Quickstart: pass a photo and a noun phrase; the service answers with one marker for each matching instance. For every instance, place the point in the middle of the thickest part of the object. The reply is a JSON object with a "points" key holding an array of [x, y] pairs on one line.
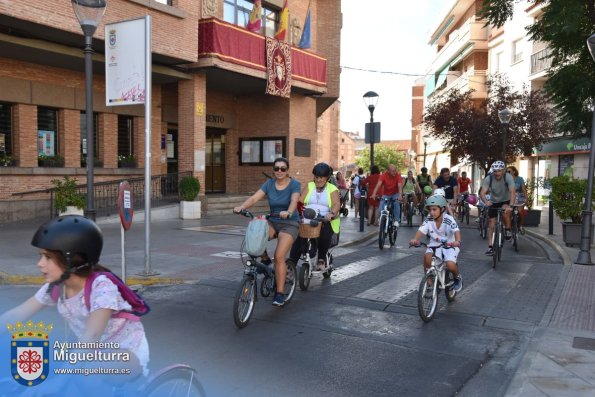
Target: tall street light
{"points": [[504, 115], [584, 255], [371, 99], [89, 14], [426, 140]]}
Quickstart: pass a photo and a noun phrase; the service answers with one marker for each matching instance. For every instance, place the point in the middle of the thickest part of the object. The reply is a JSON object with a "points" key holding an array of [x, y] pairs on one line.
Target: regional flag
{"points": [[305, 40], [282, 30], [255, 17]]}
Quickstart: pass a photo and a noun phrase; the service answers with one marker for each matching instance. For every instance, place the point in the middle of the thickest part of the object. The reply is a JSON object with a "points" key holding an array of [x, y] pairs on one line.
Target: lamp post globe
{"points": [[371, 99], [426, 140], [89, 14], [504, 115]]}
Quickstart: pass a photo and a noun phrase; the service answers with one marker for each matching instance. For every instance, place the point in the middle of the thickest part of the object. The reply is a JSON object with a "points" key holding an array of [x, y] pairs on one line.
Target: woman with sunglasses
{"points": [[283, 193]]}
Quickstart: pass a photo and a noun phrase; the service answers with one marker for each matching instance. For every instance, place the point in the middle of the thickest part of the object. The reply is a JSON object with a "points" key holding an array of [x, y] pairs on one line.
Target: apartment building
{"points": [[460, 40], [211, 115]]}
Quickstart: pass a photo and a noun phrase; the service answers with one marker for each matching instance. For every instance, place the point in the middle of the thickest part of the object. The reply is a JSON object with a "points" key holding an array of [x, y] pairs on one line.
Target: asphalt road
{"points": [[358, 333]]}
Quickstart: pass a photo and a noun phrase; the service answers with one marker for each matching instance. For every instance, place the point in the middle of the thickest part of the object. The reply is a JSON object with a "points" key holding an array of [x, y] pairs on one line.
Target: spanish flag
{"points": [[283, 17], [255, 17]]}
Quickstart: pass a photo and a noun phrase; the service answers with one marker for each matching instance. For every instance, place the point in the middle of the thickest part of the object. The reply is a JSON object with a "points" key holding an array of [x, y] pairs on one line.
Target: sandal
{"points": [[321, 265]]}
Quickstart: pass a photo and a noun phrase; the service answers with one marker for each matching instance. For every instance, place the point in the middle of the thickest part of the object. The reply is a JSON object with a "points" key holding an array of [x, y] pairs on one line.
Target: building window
{"points": [[47, 132], [125, 135], [5, 129], [517, 51], [498, 62], [261, 151], [166, 2], [84, 135], [238, 13]]}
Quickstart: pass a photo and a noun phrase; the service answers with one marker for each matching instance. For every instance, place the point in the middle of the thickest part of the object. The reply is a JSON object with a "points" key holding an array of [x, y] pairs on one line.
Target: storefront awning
{"points": [[564, 146]]}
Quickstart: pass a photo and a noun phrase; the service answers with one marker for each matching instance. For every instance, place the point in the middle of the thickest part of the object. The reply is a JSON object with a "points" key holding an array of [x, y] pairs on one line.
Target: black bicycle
{"points": [[246, 295], [464, 209], [498, 240], [409, 209], [515, 225], [483, 221], [387, 223]]}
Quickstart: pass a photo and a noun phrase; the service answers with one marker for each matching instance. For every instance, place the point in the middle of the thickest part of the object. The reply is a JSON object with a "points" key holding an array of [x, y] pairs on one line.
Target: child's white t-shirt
{"points": [[436, 235], [104, 295]]}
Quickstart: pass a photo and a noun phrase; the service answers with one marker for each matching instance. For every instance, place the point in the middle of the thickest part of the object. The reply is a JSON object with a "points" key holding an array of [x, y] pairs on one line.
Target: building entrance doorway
{"points": [[215, 161]]}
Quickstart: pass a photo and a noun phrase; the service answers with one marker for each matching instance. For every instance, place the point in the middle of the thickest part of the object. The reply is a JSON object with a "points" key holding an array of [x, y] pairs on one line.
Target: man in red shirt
{"points": [[464, 183], [393, 183]]}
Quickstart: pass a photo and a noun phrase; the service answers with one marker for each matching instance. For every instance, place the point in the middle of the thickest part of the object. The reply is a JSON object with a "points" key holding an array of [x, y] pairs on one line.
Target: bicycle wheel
{"points": [[448, 289], [177, 381], [515, 232], [427, 297], [304, 276], [382, 231], [243, 304], [500, 241], [392, 234], [467, 210], [329, 271], [410, 214], [483, 231], [290, 280], [495, 246]]}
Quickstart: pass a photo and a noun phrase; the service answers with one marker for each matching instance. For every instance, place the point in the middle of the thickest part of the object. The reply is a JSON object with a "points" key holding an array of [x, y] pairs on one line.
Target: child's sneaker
{"points": [[279, 300], [457, 286]]}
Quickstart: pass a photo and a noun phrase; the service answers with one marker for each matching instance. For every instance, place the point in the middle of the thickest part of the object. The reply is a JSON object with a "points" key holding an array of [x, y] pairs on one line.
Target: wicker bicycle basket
{"points": [[309, 231]]}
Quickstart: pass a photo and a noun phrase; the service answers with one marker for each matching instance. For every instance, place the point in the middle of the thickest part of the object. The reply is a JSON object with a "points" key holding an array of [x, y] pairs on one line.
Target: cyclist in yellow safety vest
{"points": [[323, 197]]}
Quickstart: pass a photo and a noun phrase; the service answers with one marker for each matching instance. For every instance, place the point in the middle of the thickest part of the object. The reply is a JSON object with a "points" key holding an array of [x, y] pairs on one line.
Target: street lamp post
{"points": [[584, 255], [371, 99], [89, 14], [504, 115], [425, 139]]}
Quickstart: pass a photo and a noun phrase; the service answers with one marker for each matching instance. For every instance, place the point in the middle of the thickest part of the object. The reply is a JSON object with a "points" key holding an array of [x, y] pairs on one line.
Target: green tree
{"points": [[383, 156], [471, 129], [564, 26]]}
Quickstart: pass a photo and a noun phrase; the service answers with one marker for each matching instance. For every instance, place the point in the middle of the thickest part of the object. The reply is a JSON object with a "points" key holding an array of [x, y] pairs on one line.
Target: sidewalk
{"points": [[560, 359]]}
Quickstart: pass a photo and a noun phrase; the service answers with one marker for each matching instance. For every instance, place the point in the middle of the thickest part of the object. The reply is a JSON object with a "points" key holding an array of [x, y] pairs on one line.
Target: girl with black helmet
{"points": [[69, 249], [440, 228], [322, 196]]}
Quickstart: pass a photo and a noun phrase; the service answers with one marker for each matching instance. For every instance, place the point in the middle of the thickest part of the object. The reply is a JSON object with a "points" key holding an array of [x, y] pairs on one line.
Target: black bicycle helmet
{"points": [[322, 169], [71, 235]]}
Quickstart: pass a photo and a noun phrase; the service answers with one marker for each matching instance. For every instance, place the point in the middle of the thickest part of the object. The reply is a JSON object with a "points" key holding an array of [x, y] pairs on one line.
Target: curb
{"points": [[561, 251]]}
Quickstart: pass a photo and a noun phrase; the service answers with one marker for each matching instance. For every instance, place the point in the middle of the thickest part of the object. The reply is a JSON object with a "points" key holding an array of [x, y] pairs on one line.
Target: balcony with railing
{"points": [[235, 49], [541, 61]]}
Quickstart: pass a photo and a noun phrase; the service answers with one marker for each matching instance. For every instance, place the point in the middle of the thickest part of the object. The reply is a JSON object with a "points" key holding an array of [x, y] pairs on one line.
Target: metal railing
{"points": [[541, 61], [164, 190]]}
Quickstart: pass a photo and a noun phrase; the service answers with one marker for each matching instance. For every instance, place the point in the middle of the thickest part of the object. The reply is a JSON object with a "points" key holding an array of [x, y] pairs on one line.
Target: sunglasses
{"points": [[282, 169]]}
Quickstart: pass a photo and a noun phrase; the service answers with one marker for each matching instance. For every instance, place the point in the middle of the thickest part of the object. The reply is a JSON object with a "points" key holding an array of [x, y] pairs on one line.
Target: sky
{"points": [[388, 36]]}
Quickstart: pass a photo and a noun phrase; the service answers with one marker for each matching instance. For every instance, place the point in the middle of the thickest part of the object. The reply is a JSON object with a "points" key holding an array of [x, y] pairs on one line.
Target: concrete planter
{"points": [[533, 218], [190, 209], [571, 233]]}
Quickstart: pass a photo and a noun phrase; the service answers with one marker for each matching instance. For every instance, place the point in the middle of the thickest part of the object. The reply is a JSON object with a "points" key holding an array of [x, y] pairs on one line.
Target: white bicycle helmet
{"points": [[439, 192], [498, 165], [439, 201]]}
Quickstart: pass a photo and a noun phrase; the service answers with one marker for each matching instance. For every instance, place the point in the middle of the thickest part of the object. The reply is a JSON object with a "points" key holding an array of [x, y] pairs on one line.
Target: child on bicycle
{"points": [[69, 249], [440, 228]]}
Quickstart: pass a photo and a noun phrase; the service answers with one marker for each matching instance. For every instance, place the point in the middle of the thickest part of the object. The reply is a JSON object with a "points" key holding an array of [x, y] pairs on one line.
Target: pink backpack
{"points": [[139, 306]]}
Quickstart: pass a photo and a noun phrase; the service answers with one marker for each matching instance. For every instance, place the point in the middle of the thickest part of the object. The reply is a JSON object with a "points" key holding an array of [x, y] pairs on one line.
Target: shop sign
{"points": [[563, 146], [220, 120]]}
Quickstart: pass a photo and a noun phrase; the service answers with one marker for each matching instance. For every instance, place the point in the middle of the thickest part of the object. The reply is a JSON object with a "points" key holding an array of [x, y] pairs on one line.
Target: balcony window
{"points": [[125, 136], [517, 51], [238, 13]]}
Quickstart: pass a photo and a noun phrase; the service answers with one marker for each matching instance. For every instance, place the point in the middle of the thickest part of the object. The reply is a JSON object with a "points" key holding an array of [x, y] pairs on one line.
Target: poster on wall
{"points": [[46, 143], [271, 150], [125, 63], [250, 151], [2, 143]]}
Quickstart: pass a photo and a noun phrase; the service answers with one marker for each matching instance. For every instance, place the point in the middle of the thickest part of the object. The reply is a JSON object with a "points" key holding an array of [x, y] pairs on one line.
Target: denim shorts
{"points": [[289, 227]]}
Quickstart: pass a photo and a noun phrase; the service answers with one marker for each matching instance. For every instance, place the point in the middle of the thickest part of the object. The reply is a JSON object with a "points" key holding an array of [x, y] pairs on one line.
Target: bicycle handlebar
{"points": [[444, 244], [249, 214]]}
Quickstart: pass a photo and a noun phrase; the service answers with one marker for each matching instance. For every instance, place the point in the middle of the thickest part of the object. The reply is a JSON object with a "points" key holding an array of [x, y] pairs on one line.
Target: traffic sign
{"points": [[125, 204]]}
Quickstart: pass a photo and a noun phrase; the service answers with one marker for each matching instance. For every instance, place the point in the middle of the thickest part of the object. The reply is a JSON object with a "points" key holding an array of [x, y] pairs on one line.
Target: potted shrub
{"points": [[189, 189], [126, 161], [568, 197], [533, 216], [67, 199], [6, 160]]}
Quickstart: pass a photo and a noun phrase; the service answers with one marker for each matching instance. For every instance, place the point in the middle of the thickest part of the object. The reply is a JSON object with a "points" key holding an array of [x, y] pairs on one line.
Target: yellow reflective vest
{"points": [[335, 223]]}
